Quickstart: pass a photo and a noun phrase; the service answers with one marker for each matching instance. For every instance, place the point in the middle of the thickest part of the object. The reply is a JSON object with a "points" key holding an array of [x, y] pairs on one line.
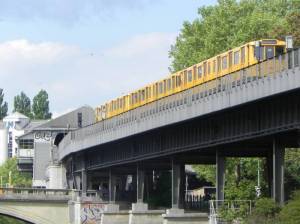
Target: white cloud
{"points": [[74, 77], [65, 11]]}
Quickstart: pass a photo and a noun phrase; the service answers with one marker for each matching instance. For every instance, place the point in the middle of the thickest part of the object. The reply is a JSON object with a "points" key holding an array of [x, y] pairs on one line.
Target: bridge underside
{"points": [[248, 130], [256, 129]]}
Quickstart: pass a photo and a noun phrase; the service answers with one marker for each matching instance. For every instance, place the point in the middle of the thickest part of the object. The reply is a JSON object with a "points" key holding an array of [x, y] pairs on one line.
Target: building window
{"points": [[26, 143], [79, 120]]}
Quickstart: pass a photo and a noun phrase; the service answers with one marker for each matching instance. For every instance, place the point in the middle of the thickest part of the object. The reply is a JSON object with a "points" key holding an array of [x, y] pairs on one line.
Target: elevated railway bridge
{"points": [[252, 112]]}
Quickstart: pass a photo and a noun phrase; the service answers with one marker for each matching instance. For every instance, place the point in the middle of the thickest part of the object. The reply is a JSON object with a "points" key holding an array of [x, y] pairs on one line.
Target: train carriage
{"points": [[227, 63]]}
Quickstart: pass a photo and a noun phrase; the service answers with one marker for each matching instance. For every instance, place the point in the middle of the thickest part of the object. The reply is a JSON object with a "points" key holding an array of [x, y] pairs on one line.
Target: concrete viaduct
{"points": [[254, 112]]}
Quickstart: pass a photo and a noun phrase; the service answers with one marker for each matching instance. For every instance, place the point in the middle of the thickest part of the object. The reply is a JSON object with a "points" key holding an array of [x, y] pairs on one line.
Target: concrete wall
{"points": [[37, 212]]}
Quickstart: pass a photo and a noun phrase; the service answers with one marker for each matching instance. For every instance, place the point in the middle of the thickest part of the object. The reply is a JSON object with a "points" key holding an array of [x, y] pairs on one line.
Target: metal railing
{"points": [[217, 209], [227, 83]]}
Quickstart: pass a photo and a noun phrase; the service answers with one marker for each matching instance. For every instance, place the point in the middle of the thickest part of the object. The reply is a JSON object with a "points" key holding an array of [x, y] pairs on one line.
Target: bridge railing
{"points": [[127, 120], [37, 194]]}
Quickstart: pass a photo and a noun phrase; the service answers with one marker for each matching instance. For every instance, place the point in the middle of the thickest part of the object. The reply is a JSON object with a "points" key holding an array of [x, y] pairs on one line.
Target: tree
{"points": [[3, 105], [22, 104], [18, 179], [231, 23], [228, 24], [40, 106]]}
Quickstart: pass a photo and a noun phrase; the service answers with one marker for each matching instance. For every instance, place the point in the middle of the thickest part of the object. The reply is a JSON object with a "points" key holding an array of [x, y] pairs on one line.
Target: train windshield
{"points": [[269, 52], [279, 50]]}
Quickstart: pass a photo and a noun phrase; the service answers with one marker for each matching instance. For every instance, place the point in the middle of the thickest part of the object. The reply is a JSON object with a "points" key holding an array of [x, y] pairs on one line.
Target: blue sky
{"points": [[87, 52]]}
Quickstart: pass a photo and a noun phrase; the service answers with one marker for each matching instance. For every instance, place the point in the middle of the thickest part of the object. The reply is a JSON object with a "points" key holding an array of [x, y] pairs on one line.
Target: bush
{"points": [[266, 211], [290, 214]]}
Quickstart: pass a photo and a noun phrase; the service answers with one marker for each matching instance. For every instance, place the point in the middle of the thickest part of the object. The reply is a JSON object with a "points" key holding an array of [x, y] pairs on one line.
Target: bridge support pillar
{"points": [[84, 182], [220, 176], [140, 185], [278, 172], [112, 187], [176, 189]]}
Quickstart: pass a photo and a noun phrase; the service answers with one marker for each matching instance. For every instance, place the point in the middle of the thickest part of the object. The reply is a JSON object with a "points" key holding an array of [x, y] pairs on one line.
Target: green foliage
{"points": [[40, 106], [241, 178], [3, 105], [229, 213], [9, 220], [265, 211], [161, 197], [290, 214], [292, 170], [231, 23], [18, 179], [22, 104], [206, 172]]}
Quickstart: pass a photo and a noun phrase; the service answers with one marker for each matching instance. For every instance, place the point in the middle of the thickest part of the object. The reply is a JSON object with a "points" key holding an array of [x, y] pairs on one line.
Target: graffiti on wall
{"points": [[42, 136], [91, 213]]}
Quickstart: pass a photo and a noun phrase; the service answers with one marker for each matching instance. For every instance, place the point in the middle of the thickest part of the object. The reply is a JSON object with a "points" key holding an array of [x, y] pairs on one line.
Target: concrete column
{"points": [[278, 173], [84, 182], [112, 187], [220, 176], [182, 186], [175, 185], [140, 185], [270, 172]]}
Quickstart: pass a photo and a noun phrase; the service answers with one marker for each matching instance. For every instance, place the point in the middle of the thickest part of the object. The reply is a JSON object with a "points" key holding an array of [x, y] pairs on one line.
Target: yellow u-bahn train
{"points": [[207, 70]]}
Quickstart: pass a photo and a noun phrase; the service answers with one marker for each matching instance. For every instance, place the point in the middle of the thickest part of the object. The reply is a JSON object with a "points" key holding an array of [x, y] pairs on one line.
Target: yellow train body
{"points": [[205, 71]]}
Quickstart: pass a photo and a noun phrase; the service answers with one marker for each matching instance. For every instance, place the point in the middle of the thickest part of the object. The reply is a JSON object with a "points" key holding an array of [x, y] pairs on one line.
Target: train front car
{"points": [[267, 49]]}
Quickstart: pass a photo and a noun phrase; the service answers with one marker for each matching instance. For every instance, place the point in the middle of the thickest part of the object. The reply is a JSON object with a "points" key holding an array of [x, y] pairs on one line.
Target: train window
{"points": [[208, 68], [148, 92], [230, 59], [165, 86], [236, 57], [156, 89], [178, 81], [204, 68], [185, 77], [214, 66], [160, 87], [219, 63], [173, 81], [243, 55], [269, 52], [224, 62], [261, 53], [190, 76], [169, 84], [199, 72], [195, 72], [142, 95]]}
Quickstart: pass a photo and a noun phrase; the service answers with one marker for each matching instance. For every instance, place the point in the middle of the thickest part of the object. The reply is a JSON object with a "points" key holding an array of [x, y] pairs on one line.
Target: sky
{"points": [[87, 52]]}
